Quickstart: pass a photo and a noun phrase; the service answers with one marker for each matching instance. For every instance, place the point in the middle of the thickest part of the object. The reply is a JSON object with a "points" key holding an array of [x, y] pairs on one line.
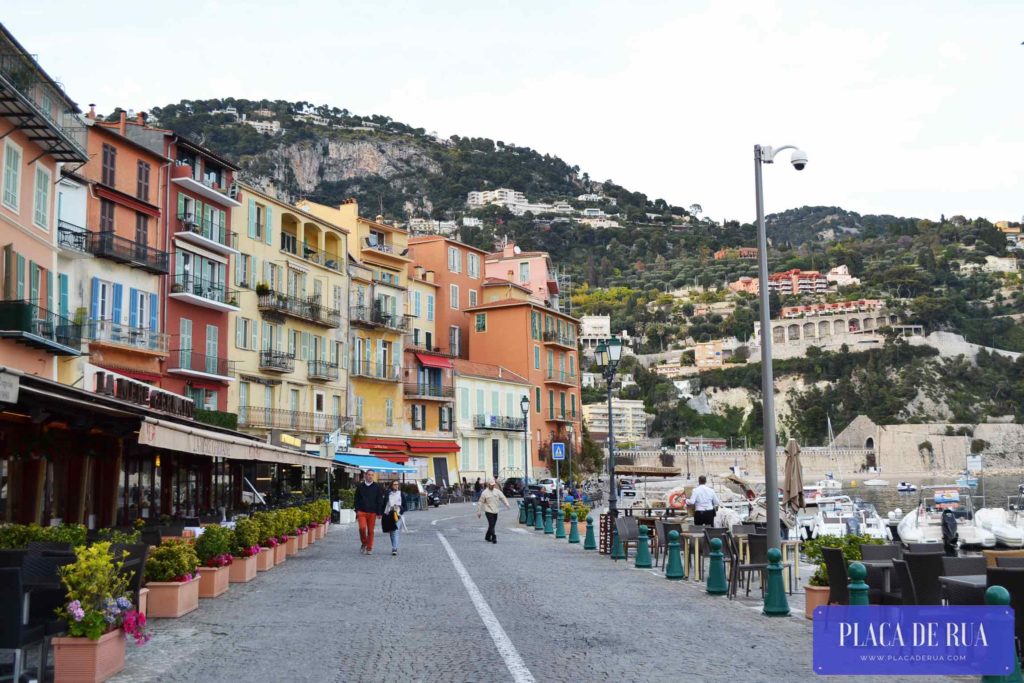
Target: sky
{"points": [[908, 108]]}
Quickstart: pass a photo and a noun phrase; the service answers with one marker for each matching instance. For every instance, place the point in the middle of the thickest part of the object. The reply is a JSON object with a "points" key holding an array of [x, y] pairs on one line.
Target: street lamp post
{"points": [[766, 155], [524, 405], [609, 353], [569, 429]]}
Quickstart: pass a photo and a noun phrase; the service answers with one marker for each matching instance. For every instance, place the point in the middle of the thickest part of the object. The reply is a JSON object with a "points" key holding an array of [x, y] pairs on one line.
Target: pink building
{"points": [[747, 285], [530, 269]]}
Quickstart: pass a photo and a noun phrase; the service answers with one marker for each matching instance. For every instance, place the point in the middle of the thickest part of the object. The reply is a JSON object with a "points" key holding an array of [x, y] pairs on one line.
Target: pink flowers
{"points": [[222, 560], [185, 578], [134, 624], [250, 551], [75, 610], [272, 542]]}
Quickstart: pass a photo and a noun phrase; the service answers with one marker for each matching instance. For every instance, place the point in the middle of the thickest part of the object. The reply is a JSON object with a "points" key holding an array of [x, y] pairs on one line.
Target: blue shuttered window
{"points": [[116, 307], [154, 320], [266, 228], [133, 309], [49, 290], [62, 283], [252, 219], [94, 308]]}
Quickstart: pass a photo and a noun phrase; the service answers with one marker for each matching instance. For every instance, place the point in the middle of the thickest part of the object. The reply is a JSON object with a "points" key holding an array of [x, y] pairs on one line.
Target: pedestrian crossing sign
{"points": [[558, 451]]}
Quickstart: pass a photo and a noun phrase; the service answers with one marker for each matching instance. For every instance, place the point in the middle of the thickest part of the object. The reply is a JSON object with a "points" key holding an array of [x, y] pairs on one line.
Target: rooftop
{"points": [[486, 371]]}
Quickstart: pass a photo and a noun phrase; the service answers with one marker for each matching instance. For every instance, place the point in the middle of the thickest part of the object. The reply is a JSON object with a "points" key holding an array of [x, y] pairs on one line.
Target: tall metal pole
{"points": [[526, 454], [771, 474], [613, 507]]}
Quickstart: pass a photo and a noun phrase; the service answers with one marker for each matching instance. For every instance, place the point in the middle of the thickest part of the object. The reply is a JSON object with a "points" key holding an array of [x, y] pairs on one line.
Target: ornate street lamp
{"points": [[608, 354], [524, 405]]}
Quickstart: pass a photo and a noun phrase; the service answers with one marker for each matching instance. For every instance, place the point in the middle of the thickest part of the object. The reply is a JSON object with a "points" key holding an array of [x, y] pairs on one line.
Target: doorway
{"points": [[494, 458], [441, 471]]}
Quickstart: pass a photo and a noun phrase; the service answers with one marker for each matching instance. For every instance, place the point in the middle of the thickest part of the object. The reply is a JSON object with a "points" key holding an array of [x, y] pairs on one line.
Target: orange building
{"points": [[458, 272], [512, 330]]}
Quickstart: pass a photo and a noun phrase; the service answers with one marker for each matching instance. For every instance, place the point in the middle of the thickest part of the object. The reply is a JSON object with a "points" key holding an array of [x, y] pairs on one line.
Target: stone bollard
{"points": [[643, 550], [858, 589], [618, 551], [997, 595], [574, 529], [590, 543], [560, 525], [529, 514], [522, 512], [717, 584], [538, 519], [674, 564], [775, 603], [548, 526]]}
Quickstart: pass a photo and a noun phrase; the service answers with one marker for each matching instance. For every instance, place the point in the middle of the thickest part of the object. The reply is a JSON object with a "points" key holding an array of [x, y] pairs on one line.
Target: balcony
{"points": [[562, 417], [290, 244], [273, 418], [375, 247], [31, 98], [376, 371], [510, 424], [183, 176], [193, 364], [559, 340], [428, 391], [204, 233], [39, 328], [322, 370], [135, 338], [72, 239], [371, 316], [121, 250], [203, 293], [277, 361], [561, 377], [309, 309]]}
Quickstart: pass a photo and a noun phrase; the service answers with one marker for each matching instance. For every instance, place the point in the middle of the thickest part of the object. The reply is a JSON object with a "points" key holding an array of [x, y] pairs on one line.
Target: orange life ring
{"points": [[677, 500]]}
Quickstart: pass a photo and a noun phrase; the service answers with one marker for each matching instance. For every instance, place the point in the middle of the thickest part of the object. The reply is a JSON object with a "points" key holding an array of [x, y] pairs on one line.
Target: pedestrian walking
{"points": [[705, 502], [369, 503], [393, 511], [477, 489], [489, 501]]}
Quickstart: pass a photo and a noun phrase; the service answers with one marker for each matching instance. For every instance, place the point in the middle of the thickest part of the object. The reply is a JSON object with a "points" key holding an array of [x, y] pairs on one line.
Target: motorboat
{"points": [[876, 482], [906, 487], [924, 524], [997, 520], [829, 483], [841, 515]]}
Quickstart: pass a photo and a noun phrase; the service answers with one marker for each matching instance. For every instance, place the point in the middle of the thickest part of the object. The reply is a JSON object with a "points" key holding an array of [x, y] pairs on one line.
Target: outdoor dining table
{"points": [[692, 539], [885, 566], [790, 552], [973, 583]]}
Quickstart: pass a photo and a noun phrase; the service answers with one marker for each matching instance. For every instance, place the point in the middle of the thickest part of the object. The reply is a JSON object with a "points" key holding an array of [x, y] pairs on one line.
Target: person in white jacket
{"points": [[488, 504], [392, 516]]}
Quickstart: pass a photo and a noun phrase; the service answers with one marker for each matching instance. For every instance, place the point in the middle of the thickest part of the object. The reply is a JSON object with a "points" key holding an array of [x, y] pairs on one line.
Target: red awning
{"points": [[429, 361], [426, 447], [392, 450], [392, 457]]}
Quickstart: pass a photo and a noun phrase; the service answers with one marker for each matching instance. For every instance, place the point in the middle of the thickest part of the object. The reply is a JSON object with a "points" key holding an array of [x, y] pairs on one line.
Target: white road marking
{"points": [[516, 665], [443, 519]]}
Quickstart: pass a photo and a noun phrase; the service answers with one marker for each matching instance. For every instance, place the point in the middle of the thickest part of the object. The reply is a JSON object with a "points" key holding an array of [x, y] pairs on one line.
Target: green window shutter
{"points": [[62, 280], [252, 219], [269, 223], [181, 204], [252, 334], [20, 274], [239, 333], [49, 290], [33, 282]]}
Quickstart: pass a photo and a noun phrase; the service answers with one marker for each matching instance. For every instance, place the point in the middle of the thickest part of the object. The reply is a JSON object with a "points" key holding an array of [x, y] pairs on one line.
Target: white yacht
{"points": [[840, 515]]}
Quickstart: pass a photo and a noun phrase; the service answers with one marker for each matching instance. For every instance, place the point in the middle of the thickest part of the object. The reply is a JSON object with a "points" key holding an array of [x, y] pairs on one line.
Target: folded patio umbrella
{"points": [[793, 488]]}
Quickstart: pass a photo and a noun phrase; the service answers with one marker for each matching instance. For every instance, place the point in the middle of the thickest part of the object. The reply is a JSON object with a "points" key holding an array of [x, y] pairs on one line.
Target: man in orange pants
{"points": [[368, 504]]}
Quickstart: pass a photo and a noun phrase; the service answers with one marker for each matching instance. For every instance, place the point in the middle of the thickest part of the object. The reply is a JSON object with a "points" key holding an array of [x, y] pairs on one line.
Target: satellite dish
{"points": [[517, 250]]}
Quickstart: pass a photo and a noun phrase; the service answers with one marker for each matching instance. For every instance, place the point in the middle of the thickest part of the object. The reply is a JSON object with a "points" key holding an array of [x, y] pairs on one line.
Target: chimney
{"points": [[121, 126], [429, 276], [92, 112], [379, 218], [140, 118], [419, 272], [511, 275]]}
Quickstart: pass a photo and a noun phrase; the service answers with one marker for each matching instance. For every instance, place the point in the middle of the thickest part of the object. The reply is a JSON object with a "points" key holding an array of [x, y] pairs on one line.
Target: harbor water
{"points": [[991, 491]]}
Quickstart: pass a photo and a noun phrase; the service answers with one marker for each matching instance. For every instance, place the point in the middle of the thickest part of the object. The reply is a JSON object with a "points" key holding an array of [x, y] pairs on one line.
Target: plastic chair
{"points": [[629, 532], [902, 573], [964, 566], [925, 570], [15, 633], [758, 547]]}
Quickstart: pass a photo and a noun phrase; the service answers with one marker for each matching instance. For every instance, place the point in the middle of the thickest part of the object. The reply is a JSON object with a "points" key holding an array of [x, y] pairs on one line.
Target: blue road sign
{"points": [[558, 451]]}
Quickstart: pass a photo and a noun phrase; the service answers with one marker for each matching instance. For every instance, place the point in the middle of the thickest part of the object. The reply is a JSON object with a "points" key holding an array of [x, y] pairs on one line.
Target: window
{"points": [[561, 403], [258, 220], [464, 403], [524, 272], [141, 229], [12, 176], [378, 238], [481, 322], [430, 307], [536, 357], [318, 402], [142, 182], [454, 296], [389, 412], [244, 275], [293, 342], [359, 410], [336, 404], [106, 215], [535, 325], [416, 304], [572, 401], [536, 398], [551, 404], [473, 265], [245, 334], [472, 298], [41, 212], [108, 173], [572, 366], [454, 340], [454, 260], [418, 416], [445, 418]]}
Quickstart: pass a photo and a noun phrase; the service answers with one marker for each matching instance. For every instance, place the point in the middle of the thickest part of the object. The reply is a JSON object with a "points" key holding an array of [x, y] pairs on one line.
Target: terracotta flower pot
{"points": [[301, 540], [814, 596], [144, 601], [172, 599], [265, 560], [321, 529], [80, 660], [242, 570], [292, 546], [213, 581], [312, 536], [280, 554]]}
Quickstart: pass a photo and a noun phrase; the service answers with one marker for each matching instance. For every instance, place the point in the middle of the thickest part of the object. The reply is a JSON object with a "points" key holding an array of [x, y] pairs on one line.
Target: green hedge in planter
{"points": [[172, 560], [849, 544], [214, 544]]}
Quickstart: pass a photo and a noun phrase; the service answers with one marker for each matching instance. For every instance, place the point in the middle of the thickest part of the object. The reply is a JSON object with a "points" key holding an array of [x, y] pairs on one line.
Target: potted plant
{"points": [[233, 301], [816, 592], [262, 288], [213, 548], [99, 616], [281, 529], [247, 549], [177, 288], [347, 513], [172, 579], [268, 541], [291, 530]]}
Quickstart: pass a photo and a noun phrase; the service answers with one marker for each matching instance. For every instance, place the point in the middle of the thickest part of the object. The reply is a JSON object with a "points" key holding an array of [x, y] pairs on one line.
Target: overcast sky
{"points": [[910, 108]]}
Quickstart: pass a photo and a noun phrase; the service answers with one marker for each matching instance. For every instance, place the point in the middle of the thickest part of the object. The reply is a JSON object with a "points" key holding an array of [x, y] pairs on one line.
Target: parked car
{"points": [[512, 486], [550, 484]]}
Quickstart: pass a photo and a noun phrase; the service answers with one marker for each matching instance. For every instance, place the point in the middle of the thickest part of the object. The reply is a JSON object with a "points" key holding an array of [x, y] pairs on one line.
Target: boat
{"points": [[829, 483], [841, 515], [924, 524], [876, 482], [997, 520], [905, 487]]}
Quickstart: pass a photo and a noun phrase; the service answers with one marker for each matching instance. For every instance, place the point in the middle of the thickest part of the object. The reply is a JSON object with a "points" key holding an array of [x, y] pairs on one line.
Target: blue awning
{"points": [[369, 462]]}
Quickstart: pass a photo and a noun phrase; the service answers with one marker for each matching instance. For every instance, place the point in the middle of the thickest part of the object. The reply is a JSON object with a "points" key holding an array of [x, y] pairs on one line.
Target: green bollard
{"points": [[997, 595], [549, 528], [674, 564], [538, 519], [775, 603], [574, 529], [858, 589], [529, 514], [618, 551], [522, 512], [643, 550], [560, 525], [717, 585], [590, 543]]}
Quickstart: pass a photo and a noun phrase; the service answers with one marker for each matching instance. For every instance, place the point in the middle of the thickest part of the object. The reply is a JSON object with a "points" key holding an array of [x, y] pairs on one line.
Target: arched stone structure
{"points": [[839, 327], [779, 334], [824, 329], [808, 330], [793, 332]]}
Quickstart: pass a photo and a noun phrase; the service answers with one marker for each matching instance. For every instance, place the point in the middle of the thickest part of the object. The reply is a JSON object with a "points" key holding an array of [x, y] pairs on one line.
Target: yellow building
{"points": [[289, 346]]}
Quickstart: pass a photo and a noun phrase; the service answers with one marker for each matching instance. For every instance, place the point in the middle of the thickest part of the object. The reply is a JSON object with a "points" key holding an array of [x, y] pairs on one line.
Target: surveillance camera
{"points": [[798, 159]]}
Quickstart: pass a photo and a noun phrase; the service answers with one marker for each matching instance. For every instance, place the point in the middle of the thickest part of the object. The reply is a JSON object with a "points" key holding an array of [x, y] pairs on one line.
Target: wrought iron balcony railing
{"points": [[308, 308], [274, 418], [187, 360], [373, 316], [116, 248], [201, 287], [322, 369], [142, 338], [204, 227], [71, 236], [560, 339], [428, 390], [40, 328], [278, 361], [378, 371], [561, 377], [290, 243], [512, 424]]}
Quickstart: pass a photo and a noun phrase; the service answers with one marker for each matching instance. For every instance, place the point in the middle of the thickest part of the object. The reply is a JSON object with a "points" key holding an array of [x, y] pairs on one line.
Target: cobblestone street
{"points": [[331, 614]]}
